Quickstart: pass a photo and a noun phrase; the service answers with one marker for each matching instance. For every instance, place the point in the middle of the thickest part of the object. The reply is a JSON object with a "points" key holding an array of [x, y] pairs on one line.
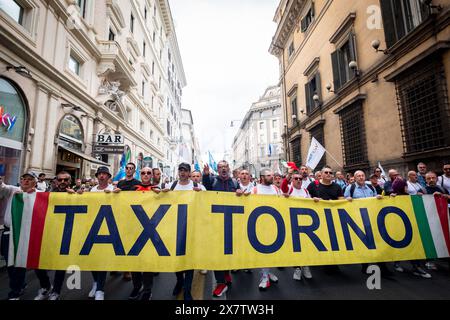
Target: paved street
{"points": [[349, 283]]}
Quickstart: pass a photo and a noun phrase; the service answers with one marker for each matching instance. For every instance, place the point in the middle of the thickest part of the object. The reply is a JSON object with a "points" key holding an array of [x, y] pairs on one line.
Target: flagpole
{"points": [[340, 166]]}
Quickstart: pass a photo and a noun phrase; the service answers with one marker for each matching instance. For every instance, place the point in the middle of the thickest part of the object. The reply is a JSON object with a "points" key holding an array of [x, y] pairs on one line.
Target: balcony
{"points": [[114, 65]]}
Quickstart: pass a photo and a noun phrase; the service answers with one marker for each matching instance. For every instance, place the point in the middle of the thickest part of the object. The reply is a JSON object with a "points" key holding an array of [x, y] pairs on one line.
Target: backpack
{"points": [[353, 188], [174, 185]]}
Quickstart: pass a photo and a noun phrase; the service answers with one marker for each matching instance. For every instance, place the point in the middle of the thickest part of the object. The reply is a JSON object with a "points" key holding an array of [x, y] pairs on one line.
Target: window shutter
{"points": [[352, 46], [424, 10], [399, 19], [336, 75], [303, 25], [313, 11], [308, 99], [319, 87], [388, 22]]}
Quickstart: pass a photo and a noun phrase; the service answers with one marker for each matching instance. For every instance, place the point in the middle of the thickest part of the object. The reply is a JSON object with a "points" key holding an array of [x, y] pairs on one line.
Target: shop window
{"points": [[12, 132]]}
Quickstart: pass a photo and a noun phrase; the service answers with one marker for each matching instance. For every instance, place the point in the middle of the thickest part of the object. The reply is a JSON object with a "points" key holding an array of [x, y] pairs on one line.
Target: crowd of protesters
{"points": [[297, 182]]}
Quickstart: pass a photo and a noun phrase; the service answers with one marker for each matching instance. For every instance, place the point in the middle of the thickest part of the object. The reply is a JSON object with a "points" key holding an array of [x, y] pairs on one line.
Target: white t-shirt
{"points": [[266, 190], [414, 188], [110, 187], [446, 184], [306, 183], [188, 187], [42, 186], [248, 188], [300, 193]]}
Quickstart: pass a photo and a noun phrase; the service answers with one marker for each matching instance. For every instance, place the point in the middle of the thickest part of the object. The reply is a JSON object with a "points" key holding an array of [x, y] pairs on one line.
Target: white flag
{"points": [[383, 173], [315, 154]]}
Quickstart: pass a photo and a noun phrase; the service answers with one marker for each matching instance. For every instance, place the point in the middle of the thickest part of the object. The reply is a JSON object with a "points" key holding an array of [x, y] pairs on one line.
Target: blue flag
{"points": [[212, 163]]}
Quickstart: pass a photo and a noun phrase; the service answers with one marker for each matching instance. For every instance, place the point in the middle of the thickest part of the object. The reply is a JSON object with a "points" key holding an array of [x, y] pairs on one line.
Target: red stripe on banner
{"points": [[37, 229], [442, 209]]}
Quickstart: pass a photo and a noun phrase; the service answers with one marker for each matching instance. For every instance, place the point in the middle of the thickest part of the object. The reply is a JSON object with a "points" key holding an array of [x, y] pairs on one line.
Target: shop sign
{"points": [[7, 120], [110, 139]]}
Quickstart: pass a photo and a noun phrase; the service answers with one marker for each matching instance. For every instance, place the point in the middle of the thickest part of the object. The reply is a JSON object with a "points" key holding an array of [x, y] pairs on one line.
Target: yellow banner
{"points": [[134, 231]]}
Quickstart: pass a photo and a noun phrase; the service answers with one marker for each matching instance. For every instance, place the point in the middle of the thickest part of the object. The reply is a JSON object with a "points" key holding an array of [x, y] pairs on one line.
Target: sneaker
{"points": [[307, 272], [430, 266], [204, 272], [134, 295], [93, 290], [273, 278], [264, 283], [221, 288], [53, 296], [297, 274], [178, 287], [228, 279], [42, 294], [248, 271], [398, 268], [146, 296], [421, 273], [99, 295], [13, 299]]}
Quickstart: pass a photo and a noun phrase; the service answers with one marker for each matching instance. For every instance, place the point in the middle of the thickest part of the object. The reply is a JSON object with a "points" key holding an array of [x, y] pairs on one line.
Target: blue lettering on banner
{"points": [[149, 231], [308, 230], [366, 237], [228, 212], [251, 230], [381, 220], [331, 230], [181, 230], [105, 214], [70, 212]]}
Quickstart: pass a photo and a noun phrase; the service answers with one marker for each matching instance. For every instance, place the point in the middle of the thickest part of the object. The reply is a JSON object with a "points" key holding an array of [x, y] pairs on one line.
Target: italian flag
{"points": [[432, 217], [28, 211]]}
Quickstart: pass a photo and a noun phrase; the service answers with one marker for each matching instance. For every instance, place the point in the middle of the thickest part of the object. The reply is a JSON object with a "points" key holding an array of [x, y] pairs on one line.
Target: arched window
{"points": [[70, 133], [13, 123]]}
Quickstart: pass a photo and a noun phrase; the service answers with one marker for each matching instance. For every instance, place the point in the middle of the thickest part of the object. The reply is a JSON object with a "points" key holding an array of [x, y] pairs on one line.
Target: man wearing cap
{"points": [[103, 175], [16, 275], [184, 278]]}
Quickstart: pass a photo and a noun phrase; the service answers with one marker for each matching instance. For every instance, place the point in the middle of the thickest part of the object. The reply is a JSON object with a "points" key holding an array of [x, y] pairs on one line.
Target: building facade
{"points": [[70, 70], [189, 148], [368, 79], [258, 144]]}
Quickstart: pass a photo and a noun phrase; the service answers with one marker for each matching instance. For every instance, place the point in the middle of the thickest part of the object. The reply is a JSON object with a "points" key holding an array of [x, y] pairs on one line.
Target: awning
{"points": [[85, 156]]}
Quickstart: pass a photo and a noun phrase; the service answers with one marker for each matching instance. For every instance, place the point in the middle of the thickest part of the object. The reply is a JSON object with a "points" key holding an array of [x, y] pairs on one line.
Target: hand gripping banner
{"points": [[133, 231]]}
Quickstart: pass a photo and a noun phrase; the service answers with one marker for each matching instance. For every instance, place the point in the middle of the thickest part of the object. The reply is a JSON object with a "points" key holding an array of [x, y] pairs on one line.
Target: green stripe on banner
{"points": [[16, 219], [424, 227]]}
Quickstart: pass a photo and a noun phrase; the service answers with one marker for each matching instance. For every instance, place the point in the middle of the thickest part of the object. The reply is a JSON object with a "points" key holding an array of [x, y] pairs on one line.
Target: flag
{"points": [[315, 154], [126, 157], [212, 162], [270, 150], [276, 167], [383, 173], [197, 167], [284, 164]]}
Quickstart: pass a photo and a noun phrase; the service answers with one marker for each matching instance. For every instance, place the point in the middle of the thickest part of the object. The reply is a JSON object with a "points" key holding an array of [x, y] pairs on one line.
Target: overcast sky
{"points": [[224, 47]]}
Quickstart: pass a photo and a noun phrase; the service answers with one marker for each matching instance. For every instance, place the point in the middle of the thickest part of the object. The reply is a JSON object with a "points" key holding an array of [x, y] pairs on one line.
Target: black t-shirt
{"points": [[128, 185], [325, 192]]}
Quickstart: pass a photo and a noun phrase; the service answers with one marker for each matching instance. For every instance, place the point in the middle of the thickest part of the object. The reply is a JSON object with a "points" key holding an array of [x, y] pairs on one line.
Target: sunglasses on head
{"points": [[146, 173], [64, 180]]}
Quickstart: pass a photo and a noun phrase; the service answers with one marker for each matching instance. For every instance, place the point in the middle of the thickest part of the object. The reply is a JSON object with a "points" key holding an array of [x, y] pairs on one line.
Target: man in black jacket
{"points": [[224, 183]]}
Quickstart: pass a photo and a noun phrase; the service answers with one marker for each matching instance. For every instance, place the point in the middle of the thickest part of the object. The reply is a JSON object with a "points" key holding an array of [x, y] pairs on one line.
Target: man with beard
{"points": [[223, 183], [157, 177], [46, 292], [266, 187]]}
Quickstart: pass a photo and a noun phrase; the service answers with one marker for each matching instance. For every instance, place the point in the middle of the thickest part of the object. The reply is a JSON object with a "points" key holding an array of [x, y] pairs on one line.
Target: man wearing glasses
{"points": [[325, 189], [129, 183], [47, 292]]}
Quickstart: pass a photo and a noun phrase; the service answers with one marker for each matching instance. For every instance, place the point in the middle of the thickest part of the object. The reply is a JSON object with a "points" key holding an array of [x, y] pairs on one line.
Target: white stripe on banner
{"points": [[435, 225], [22, 252]]}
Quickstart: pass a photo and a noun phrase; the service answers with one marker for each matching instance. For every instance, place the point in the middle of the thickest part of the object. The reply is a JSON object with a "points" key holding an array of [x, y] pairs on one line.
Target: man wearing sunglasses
{"points": [[129, 183], [47, 292], [325, 189]]}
